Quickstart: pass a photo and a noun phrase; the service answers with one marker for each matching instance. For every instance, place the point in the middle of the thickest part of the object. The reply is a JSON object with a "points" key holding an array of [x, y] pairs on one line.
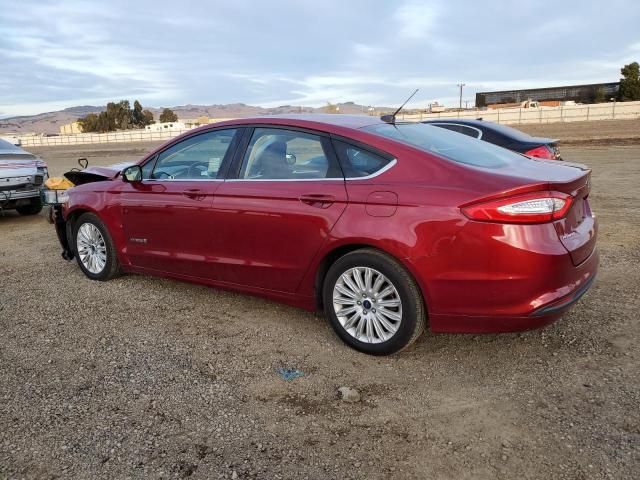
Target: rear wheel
{"points": [[33, 208], [373, 303], [94, 248]]}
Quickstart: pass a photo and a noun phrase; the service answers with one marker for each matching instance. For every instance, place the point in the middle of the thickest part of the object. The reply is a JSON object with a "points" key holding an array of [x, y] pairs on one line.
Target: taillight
{"points": [[535, 207], [541, 152]]}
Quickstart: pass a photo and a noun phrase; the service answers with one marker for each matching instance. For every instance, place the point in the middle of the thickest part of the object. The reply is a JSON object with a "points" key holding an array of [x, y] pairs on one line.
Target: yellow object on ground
{"points": [[58, 183]]}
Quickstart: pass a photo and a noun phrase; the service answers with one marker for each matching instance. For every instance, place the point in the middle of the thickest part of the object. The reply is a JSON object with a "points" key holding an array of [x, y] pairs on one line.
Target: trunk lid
{"points": [[577, 230]]}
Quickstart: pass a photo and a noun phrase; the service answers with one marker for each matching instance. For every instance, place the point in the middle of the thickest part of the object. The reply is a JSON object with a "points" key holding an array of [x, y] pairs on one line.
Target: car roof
{"points": [[313, 120]]}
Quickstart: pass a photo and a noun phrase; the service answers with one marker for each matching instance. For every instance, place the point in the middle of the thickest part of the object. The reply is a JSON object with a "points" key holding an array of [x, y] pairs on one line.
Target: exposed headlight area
{"points": [[55, 197]]}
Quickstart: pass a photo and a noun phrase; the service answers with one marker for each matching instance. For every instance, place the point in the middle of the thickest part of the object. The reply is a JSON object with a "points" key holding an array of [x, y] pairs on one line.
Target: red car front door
{"points": [[167, 218], [275, 216]]}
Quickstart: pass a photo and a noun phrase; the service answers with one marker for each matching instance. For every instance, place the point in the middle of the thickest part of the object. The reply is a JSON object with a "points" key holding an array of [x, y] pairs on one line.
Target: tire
{"points": [[34, 208], [381, 333], [93, 248]]}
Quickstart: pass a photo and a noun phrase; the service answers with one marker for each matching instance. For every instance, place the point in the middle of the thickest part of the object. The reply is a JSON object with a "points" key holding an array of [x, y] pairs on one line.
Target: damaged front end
{"points": [[56, 191]]}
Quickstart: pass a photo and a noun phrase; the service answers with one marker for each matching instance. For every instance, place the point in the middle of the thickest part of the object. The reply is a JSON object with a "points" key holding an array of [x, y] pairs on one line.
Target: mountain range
{"points": [[50, 122]]}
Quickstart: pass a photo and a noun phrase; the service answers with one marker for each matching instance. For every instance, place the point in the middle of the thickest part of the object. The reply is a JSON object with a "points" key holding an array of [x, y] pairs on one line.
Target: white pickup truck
{"points": [[22, 174]]}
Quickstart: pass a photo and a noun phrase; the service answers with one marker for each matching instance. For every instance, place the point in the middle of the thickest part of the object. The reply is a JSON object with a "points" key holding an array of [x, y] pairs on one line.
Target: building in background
{"points": [[161, 126], [550, 96], [202, 120], [70, 129]]}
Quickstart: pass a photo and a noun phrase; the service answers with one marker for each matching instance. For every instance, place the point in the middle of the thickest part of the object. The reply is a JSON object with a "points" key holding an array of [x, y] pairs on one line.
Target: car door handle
{"points": [[194, 193], [318, 200]]}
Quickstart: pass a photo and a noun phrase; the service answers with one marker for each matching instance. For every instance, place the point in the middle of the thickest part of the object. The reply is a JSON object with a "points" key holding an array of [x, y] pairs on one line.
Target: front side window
{"points": [[195, 158], [279, 154], [357, 162]]}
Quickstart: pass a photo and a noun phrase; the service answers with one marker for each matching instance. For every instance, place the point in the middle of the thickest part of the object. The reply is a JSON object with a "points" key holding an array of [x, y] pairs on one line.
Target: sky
{"points": [[61, 54]]}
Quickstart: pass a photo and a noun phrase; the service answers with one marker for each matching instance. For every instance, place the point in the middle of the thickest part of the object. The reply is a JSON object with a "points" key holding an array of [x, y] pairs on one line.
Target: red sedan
{"points": [[387, 227]]}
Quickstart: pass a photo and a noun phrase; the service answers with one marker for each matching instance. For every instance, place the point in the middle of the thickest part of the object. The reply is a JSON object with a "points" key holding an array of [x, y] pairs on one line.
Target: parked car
{"points": [[503, 136], [21, 176], [384, 226]]}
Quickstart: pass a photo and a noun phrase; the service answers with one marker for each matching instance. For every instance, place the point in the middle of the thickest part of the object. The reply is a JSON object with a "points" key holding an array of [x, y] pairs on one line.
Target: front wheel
{"points": [[94, 248], [373, 303]]}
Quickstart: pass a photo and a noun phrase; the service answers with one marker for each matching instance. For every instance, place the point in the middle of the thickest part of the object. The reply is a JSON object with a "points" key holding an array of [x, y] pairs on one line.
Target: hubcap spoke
{"points": [[92, 248], [352, 321], [367, 305], [346, 291]]}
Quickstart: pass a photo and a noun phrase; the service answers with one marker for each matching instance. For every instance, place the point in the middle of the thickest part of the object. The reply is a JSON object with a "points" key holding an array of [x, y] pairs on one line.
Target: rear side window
{"points": [[281, 154], [358, 162], [447, 144]]}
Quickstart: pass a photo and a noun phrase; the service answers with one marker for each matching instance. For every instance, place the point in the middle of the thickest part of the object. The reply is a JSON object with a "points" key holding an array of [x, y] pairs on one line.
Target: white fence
{"points": [[572, 113], [125, 136], [566, 113]]}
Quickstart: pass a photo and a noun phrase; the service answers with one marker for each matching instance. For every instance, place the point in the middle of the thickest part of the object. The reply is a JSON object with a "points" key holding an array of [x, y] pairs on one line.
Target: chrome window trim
{"points": [[183, 180], [459, 125], [376, 173], [340, 179]]}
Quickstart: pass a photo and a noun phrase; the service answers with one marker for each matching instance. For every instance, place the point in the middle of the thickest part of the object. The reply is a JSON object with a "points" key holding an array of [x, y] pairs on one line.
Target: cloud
{"points": [[416, 19], [63, 53]]}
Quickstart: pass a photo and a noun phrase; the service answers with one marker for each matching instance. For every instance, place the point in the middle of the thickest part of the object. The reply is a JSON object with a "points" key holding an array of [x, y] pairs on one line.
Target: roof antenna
{"points": [[392, 118]]}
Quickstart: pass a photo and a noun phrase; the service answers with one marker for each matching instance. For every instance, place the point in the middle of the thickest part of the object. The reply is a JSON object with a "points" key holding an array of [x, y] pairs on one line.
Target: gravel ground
{"points": [[147, 377], [600, 132]]}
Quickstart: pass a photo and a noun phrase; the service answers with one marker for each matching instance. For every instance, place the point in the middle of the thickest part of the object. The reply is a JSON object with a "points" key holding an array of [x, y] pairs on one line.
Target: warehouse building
{"points": [[576, 93]]}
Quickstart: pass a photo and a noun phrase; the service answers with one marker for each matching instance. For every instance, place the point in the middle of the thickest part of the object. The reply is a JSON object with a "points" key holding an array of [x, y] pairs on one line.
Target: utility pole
{"points": [[461, 85]]}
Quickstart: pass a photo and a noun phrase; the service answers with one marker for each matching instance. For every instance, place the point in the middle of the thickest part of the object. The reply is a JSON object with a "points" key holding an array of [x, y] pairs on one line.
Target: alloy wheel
{"points": [[367, 304], [91, 247]]}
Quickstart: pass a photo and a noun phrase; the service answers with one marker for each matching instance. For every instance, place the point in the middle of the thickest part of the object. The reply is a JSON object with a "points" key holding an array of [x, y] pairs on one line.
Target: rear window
{"points": [[357, 162], [451, 145], [510, 132]]}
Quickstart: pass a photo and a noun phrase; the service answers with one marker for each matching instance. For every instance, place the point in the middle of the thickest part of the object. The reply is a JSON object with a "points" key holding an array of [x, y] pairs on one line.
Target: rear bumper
{"points": [[8, 196], [555, 304]]}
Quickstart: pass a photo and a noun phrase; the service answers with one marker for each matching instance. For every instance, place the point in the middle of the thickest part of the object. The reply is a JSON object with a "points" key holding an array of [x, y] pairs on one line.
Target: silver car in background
{"points": [[22, 174]]}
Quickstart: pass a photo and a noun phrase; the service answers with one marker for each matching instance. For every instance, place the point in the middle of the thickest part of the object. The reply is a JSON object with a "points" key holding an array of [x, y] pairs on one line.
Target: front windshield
{"points": [[451, 145]]}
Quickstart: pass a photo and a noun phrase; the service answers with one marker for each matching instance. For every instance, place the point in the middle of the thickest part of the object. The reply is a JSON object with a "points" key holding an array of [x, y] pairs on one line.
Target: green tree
{"points": [[168, 115], [89, 123], [148, 117], [137, 114], [332, 108], [139, 117], [630, 82]]}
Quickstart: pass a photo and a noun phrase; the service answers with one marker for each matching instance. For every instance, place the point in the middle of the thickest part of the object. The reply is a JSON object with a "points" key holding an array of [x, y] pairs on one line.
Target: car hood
{"points": [[97, 174], [19, 165]]}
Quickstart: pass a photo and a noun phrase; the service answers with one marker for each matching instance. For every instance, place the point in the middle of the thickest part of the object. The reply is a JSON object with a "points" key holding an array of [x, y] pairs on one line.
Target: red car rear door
{"points": [[275, 215]]}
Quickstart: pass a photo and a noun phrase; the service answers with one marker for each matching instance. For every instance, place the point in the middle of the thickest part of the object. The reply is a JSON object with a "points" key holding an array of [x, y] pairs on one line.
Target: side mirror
{"points": [[132, 174]]}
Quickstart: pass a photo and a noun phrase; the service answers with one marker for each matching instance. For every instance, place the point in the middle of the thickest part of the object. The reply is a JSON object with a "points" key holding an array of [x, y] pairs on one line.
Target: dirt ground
{"points": [[601, 132], [146, 377]]}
